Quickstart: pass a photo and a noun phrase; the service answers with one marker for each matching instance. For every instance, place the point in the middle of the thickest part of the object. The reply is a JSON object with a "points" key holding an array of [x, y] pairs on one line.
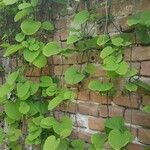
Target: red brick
{"points": [[103, 111], [146, 100], [83, 94], [145, 68], [123, 100], [139, 53], [144, 135], [33, 72], [96, 123], [96, 97], [68, 107], [71, 60], [88, 109], [116, 111], [99, 71], [133, 146], [138, 117], [60, 69], [57, 60]]}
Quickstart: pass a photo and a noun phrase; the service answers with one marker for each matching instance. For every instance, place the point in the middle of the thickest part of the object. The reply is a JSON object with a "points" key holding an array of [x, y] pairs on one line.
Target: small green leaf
{"points": [[90, 68], [24, 5], [51, 143], [131, 87], [102, 40], [51, 48], [19, 37], [118, 41], [106, 52], [52, 89], [72, 39], [24, 108], [47, 122], [40, 61], [81, 17], [95, 85], [14, 134], [147, 108], [78, 144], [12, 49], [12, 77], [123, 68], [47, 25], [30, 26], [12, 110], [73, 76], [45, 81]]}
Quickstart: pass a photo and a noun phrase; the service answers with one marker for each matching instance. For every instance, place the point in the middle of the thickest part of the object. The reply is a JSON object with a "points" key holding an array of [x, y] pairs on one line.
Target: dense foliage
{"points": [[29, 103]]}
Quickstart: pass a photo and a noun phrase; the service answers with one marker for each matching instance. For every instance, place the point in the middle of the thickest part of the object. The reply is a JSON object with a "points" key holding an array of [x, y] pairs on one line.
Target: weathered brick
{"points": [[88, 109], [60, 69], [133, 146], [144, 135], [138, 117], [57, 60], [33, 72], [68, 107], [116, 111], [63, 35], [138, 53], [96, 123], [103, 111], [145, 68], [61, 23], [146, 100], [83, 94], [123, 100]]}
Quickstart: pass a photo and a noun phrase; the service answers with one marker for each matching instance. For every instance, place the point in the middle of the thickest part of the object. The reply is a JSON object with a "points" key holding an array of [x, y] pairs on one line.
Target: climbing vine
{"points": [[28, 106]]}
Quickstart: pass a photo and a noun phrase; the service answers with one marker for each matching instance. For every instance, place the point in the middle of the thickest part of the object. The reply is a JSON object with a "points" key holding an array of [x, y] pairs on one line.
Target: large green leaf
{"points": [[40, 61], [12, 49], [9, 2], [118, 139], [30, 26], [73, 76], [95, 85], [81, 17], [51, 143], [51, 48], [12, 110]]}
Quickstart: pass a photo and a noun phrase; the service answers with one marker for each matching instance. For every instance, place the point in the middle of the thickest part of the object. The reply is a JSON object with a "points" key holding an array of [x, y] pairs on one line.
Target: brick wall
{"points": [[90, 110]]}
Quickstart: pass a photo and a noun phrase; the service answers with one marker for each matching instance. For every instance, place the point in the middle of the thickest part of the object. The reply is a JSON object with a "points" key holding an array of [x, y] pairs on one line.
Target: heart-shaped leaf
{"points": [[73, 76], [30, 26], [123, 68], [47, 25], [24, 108], [106, 52], [72, 39]]}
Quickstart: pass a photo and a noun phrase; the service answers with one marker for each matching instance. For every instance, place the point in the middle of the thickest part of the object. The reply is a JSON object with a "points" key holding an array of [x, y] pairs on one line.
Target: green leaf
{"points": [[118, 140], [51, 143], [118, 41], [110, 64], [12, 110], [9, 2], [45, 81], [73, 76], [123, 68], [30, 56], [23, 89], [95, 85], [81, 17], [40, 61], [47, 122], [47, 25], [21, 14], [24, 5], [106, 52], [72, 39], [24, 108], [147, 108], [34, 88], [69, 95], [131, 72], [78, 144], [131, 87], [143, 85], [14, 134], [114, 123], [51, 48], [19, 37], [12, 78], [12, 49], [90, 68], [63, 128], [98, 141], [52, 89], [102, 40], [30, 26]]}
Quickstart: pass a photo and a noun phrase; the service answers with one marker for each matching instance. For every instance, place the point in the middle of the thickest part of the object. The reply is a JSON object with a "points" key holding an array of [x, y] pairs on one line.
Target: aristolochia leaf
{"points": [[24, 108], [51, 143], [73, 76], [123, 68], [19, 37], [51, 48], [30, 26], [106, 51]]}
